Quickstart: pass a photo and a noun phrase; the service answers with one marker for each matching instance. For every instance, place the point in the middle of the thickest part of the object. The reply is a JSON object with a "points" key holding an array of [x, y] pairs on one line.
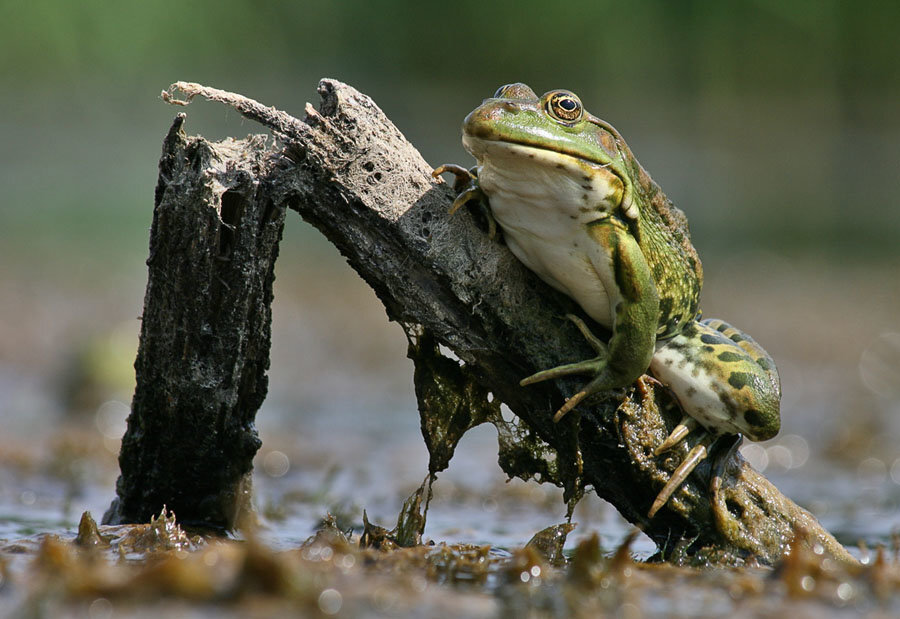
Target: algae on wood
{"points": [[347, 169]]}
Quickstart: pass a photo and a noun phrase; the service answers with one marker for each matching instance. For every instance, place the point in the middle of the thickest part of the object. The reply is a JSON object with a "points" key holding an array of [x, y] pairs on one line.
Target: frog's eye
{"points": [[564, 106]]}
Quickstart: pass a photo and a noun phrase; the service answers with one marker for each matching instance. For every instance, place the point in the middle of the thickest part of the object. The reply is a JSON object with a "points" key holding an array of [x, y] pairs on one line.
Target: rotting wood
{"points": [[205, 335]]}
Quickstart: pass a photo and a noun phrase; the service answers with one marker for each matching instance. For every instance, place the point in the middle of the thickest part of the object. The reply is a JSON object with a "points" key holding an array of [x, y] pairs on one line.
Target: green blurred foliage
{"points": [[782, 45], [773, 123]]}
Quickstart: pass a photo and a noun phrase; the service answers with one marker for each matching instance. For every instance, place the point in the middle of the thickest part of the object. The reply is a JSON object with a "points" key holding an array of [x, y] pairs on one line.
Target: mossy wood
{"points": [[348, 170]]}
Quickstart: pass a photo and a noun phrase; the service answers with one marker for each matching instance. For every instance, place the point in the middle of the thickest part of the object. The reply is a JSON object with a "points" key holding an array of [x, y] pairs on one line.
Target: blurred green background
{"points": [[773, 124]]}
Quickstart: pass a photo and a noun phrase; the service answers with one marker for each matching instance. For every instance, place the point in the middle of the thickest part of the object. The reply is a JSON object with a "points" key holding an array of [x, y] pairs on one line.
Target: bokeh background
{"points": [[773, 124]]}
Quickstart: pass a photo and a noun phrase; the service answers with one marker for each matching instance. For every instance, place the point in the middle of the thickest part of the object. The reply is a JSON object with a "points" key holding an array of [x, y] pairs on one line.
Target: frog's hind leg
{"points": [[724, 382], [679, 432], [694, 457], [721, 378], [749, 346]]}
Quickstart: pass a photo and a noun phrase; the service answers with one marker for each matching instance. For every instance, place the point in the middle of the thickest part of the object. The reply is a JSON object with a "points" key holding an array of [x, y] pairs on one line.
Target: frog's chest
{"points": [[544, 217]]}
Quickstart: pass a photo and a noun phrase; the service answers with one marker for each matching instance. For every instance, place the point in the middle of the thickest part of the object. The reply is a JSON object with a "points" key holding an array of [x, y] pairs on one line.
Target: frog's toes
{"points": [[677, 435], [461, 174], [589, 366], [694, 457], [596, 343], [467, 195]]}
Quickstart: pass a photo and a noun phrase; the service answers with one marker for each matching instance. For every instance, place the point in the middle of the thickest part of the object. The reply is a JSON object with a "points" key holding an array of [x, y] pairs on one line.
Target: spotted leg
{"points": [[725, 383]]}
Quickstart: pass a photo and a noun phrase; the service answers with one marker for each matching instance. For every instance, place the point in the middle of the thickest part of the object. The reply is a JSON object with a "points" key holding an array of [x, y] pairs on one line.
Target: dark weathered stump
{"points": [[205, 334], [349, 171]]}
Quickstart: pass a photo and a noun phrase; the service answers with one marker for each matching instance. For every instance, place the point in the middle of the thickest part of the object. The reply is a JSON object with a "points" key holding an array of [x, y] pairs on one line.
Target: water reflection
{"points": [[790, 451]]}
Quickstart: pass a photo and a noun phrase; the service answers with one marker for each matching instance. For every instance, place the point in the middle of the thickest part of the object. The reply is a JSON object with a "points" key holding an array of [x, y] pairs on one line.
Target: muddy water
{"points": [[340, 434]]}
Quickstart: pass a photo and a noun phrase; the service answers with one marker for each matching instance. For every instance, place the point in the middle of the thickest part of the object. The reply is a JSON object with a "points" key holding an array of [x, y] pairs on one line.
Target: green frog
{"points": [[577, 208]]}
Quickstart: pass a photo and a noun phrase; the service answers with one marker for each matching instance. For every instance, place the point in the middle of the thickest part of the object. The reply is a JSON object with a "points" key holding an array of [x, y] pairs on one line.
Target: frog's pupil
{"points": [[567, 104]]}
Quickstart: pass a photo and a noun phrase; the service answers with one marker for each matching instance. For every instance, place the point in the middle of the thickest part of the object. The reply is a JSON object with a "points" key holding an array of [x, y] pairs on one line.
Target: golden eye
{"points": [[564, 106]]}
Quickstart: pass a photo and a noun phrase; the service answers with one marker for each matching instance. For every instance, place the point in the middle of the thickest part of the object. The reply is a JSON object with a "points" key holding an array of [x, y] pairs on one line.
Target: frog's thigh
{"points": [[749, 345], [718, 382]]}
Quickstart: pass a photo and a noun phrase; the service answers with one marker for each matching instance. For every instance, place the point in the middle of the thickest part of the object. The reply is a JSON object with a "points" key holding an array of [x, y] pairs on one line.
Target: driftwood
{"points": [[346, 169]]}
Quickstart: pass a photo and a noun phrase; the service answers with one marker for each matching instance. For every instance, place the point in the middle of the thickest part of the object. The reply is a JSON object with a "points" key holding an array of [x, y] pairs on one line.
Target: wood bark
{"points": [[205, 334], [347, 169]]}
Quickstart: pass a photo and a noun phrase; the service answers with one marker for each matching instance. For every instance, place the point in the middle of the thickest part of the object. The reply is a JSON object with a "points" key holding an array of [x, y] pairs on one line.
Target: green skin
{"points": [[577, 208]]}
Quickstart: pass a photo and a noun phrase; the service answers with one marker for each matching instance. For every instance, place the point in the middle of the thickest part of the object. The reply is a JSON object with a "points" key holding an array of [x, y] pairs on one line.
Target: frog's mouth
{"points": [[522, 158], [563, 160], [540, 153]]}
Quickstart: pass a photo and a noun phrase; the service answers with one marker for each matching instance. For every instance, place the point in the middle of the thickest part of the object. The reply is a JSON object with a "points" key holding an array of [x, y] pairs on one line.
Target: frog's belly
{"points": [[544, 201], [554, 247]]}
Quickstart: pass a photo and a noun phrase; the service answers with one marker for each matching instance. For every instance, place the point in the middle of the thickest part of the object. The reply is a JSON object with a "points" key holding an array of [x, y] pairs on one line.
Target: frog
{"points": [[576, 208]]}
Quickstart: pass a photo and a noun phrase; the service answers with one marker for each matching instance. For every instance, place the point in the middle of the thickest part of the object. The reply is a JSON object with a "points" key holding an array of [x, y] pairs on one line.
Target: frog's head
{"points": [[553, 131]]}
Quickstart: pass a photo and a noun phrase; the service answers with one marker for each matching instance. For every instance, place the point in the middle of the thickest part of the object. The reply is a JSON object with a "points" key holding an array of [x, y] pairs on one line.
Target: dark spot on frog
{"points": [[531, 155], [672, 324], [754, 418], [680, 347], [708, 338], [709, 348], [739, 380], [368, 166], [722, 327], [730, 357], [588, 187], [737, 337], [426, 217], [691, 392], [764, 363], [560, 166], [665, 306], [587, 179], [668, 362], [690, 330]]}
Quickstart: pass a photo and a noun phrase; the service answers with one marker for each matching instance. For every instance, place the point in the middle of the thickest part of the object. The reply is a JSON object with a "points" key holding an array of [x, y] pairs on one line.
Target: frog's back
{"points": [[665, 240]]}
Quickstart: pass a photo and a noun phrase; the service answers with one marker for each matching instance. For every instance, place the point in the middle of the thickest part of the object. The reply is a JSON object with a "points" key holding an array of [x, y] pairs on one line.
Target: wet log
{"points": [[348, 170]]}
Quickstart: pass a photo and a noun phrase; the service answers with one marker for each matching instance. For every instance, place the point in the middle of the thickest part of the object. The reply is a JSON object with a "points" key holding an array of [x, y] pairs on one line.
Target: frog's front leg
{"points": [[724, 381], [634, 304], [465, 184]]}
